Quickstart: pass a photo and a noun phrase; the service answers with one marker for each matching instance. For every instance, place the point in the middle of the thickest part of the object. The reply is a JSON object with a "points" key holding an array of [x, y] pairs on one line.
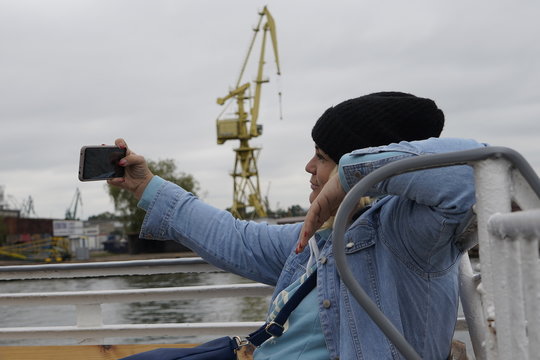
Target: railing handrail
{"points": [[106, 268], [102, 264], [131, 295]]}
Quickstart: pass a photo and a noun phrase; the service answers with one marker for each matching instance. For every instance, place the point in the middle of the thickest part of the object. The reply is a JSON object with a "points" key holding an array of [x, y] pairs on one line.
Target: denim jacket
{"points": [[402, 250]]}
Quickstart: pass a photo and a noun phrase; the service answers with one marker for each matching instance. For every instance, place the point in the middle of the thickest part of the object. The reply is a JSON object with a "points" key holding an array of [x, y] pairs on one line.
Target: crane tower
{"points": [[244, 126], [71, 212]]}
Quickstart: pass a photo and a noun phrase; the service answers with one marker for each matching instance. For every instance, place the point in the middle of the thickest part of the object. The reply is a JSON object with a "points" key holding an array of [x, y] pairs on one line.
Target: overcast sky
{"points": [[84, 72]]}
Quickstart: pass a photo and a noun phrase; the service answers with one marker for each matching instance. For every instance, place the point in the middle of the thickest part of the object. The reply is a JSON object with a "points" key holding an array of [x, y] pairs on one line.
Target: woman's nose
{"points": [[310, 166]]}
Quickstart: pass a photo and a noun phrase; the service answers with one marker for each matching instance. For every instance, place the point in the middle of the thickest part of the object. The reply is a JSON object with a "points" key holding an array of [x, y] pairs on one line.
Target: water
{"points": [[150, 312]]}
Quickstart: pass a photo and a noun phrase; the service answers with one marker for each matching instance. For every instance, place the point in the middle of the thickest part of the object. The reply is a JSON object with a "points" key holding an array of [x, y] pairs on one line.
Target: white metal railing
{"points": [[502, 304], [517, 235], [89, 328], [507, 327]]}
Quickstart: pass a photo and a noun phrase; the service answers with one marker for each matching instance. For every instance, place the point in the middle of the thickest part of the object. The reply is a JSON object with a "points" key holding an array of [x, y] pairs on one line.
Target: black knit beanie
{"points": [[374, 120]]}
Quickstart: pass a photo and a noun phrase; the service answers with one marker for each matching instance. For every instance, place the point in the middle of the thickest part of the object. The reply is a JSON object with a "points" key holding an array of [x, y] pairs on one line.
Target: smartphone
{"points": [[100, 163]]}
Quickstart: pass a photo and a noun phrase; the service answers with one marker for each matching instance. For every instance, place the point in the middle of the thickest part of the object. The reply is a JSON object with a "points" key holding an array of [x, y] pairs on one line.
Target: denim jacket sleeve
{"points": [[427, 205], [254, 250]]}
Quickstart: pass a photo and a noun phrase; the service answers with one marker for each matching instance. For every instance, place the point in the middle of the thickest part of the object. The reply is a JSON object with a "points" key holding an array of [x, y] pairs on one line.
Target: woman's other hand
{"points": [[322, 208]]}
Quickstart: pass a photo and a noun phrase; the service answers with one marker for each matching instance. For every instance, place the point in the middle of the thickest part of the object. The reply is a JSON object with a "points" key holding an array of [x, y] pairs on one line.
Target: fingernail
{"points": [[122, 162]]}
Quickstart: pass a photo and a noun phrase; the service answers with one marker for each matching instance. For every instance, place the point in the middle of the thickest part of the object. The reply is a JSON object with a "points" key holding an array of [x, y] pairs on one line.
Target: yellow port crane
{"points": [[244, 126]]}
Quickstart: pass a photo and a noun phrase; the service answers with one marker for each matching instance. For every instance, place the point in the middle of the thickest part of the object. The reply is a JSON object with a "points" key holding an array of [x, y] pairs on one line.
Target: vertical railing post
{"points": [[89, 315], [522, 228], [472, 306], [509, 301], [531, 289], [492, 181]]}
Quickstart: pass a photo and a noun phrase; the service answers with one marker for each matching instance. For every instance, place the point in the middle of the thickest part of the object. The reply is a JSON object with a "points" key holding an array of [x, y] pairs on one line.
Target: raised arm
{"points": [[448, 191], [254, 250]]}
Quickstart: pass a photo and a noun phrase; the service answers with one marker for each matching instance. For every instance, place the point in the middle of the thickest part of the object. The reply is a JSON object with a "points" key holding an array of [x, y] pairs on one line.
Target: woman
{"points": [[402, 249]]}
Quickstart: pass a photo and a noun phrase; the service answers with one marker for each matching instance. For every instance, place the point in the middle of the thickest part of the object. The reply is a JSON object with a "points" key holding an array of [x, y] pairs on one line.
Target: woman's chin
{"points": [[313, 196]]}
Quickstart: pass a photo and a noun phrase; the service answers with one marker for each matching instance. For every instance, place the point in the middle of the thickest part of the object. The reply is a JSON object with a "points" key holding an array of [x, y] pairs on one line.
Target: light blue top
{"points": [[403, 251], [303, 337]]}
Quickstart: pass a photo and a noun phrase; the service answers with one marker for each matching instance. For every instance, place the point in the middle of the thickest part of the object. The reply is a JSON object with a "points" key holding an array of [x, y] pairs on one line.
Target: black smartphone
{"points": [[100, 163]]}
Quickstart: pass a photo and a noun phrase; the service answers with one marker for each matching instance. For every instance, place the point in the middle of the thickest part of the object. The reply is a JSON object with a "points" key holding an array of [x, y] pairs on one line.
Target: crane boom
{"points": [[269, 26]]}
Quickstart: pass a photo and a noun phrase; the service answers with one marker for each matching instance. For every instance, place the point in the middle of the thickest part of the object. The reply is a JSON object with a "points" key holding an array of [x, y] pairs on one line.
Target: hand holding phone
{"points": [[100, 163]]}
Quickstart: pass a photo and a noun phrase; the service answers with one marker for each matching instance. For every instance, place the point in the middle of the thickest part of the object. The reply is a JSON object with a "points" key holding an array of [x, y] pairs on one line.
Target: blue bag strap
{"points": [[275, 328]]}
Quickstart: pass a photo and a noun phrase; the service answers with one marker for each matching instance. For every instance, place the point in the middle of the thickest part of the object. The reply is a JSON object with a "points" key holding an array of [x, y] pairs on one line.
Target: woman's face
{"points": [[320, 167]]}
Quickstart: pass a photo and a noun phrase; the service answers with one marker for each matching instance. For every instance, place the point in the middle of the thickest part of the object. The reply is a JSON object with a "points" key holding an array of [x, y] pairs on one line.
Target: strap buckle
{"points": [[240, 341], [276, 331]]}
